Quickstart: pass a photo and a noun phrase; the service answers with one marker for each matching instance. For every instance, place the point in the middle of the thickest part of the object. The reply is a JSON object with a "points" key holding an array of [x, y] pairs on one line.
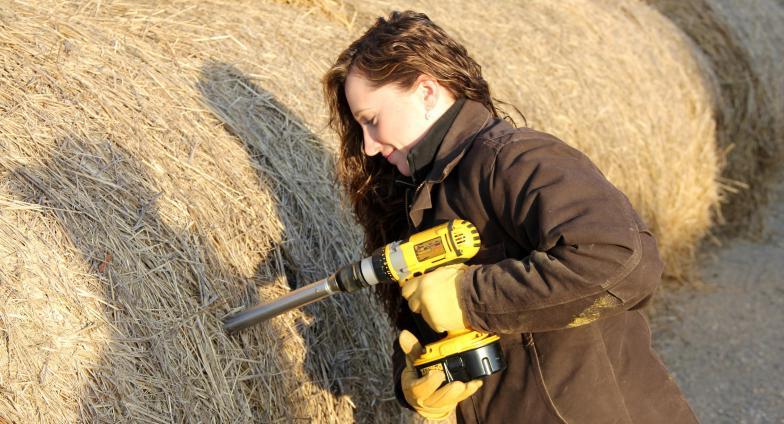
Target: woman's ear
{"points": [[429, 90]]}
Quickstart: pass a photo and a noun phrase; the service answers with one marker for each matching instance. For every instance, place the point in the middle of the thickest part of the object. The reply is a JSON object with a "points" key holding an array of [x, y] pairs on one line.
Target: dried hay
{"points": [[615, 79], [744, 44], [160, 168], [337, 10]]}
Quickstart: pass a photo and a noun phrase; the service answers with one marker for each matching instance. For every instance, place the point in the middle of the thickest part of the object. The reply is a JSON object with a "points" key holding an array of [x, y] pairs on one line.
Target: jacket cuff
{"points": [[464, 301]]}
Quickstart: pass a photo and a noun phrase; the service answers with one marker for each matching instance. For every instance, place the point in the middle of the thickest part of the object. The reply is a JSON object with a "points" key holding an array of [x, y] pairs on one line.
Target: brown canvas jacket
{"points": [[564, 267]]}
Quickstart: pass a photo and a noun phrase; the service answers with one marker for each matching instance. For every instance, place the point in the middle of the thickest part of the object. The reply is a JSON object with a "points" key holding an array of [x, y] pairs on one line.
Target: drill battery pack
{"points": [[463, 358]]}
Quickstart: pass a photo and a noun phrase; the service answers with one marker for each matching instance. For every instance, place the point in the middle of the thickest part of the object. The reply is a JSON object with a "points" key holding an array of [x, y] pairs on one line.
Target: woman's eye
{"points": [[369, 122]]}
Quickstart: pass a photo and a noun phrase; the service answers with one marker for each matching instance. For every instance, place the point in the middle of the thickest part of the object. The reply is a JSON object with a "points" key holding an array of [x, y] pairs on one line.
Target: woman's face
{"points": [[392, 119]]}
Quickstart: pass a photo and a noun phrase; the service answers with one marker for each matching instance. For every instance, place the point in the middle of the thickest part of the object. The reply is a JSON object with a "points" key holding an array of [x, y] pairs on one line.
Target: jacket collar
{"points": [[421, 156], [469, 122], [472, 118]]}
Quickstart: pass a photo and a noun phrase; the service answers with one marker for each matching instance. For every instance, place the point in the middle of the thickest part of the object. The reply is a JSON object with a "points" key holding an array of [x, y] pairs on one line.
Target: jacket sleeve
{"points": [[590, 255]]}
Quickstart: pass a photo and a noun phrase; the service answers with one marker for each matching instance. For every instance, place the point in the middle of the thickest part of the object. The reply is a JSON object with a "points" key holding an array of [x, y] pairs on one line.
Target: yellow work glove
{"points": [[434, 295], [424, 394]]}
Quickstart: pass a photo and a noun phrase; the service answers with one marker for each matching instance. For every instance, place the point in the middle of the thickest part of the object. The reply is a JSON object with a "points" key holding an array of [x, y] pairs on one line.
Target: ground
{"points": [[722, 340]]}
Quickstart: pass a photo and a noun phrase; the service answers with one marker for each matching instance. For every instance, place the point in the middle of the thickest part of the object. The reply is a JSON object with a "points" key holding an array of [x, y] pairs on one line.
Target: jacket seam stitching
{"points": [[496, 145], [614, 376], [633, 260], [540, 376]]}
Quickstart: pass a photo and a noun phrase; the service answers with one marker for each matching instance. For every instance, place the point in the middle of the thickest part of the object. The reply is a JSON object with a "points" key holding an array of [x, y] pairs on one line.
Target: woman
{"points": [[565, 264]]}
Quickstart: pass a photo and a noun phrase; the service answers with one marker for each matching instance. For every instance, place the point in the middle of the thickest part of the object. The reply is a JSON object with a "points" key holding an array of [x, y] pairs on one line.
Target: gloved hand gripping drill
{"points": [[463, 355], [434, 296]]}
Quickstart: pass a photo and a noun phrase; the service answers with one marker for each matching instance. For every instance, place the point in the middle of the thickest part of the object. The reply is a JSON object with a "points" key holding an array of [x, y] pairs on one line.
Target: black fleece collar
{"points": [[420, 157]]}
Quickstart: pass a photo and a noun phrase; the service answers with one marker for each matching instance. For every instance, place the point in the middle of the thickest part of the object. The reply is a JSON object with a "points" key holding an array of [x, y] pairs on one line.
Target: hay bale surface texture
{"points": [[161, 167], [744, 43], [615, 79]]}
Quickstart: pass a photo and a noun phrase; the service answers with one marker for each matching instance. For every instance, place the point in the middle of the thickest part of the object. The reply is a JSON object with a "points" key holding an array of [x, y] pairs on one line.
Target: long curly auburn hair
{"points": [[395, 50]]}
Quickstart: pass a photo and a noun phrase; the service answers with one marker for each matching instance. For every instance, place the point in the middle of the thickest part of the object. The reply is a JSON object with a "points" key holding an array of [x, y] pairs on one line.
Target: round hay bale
{"points": [[616, 80], [744, 45], [161, 168]]}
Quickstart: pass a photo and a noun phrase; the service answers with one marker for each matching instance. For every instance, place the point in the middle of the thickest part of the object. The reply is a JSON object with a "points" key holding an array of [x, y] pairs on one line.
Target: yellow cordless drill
{"points": [[463, 355]]}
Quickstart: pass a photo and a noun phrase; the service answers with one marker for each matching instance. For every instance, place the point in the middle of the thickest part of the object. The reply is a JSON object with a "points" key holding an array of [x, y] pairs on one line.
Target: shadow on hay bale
{"points": [[289, 159], [161, 288], [165, 289], [145, 197]]}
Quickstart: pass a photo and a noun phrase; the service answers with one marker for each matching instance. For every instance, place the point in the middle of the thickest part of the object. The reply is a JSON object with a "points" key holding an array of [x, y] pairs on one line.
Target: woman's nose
{"points": [[372, 147]]}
